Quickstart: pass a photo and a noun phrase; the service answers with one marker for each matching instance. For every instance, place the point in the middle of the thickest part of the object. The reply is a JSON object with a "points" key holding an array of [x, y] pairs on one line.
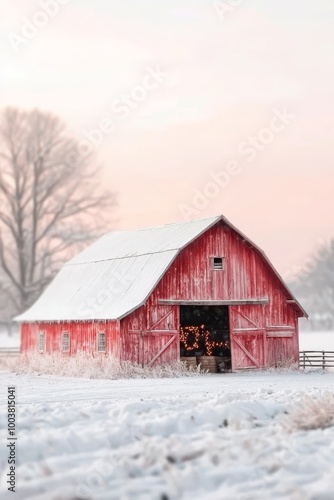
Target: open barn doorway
{"points": [[205, 337]]}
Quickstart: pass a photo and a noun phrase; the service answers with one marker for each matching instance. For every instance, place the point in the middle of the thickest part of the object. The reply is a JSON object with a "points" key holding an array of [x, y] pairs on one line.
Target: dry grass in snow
{"points": [[90, 366], [311, 414]]}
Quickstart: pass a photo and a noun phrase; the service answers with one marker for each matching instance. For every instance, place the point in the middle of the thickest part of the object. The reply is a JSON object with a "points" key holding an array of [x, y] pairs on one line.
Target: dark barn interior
{"points": [[205, 337]]}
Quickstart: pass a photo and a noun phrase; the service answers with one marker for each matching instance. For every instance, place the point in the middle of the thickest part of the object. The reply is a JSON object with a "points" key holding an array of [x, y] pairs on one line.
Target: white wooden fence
{"points": [[316, 359], [9, 352]]}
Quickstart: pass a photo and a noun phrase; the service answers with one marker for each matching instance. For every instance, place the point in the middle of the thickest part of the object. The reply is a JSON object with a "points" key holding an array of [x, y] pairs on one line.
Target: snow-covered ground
{"points": [[234, 437]]}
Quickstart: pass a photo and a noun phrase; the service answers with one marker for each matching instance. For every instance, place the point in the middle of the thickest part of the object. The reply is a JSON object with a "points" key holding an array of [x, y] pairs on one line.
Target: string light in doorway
{"points": [[190, 337]]}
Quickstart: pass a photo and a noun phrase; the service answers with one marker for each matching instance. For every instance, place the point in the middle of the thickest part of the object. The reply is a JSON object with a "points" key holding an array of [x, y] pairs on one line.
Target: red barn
{"points": [[191, 289]]}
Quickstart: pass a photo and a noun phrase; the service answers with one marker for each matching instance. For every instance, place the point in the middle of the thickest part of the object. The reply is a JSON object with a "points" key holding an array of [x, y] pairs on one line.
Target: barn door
{"points": [[248, 338], [157, 346], [134, 337]]}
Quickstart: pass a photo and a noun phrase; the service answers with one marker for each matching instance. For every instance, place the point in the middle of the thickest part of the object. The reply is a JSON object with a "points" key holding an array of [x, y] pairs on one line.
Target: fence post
{"points": [[323, 360], [304, 360]]}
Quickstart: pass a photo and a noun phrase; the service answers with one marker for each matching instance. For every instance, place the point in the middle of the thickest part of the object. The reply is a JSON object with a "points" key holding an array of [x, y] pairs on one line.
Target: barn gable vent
{"points": [[218, 263]]}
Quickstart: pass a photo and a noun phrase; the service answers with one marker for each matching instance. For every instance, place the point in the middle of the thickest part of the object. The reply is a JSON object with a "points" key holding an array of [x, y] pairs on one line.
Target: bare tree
{"points": [[50, 202]]}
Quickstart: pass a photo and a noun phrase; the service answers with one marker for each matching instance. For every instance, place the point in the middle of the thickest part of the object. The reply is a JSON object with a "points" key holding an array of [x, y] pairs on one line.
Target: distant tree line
{"points": [[314, 287]]}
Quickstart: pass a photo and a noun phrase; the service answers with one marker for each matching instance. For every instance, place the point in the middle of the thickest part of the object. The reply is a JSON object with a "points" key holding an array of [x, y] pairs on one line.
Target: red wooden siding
{"points": [[83, 336]]}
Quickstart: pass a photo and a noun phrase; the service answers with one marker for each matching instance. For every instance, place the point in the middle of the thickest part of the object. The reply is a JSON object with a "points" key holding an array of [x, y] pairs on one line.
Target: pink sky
{"points": [[226, 76]]}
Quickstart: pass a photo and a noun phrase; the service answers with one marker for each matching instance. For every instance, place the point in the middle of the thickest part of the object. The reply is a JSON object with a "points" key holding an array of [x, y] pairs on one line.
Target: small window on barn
{"points": [[101, 342], [218, 263], [66, 342], [41, 341]]}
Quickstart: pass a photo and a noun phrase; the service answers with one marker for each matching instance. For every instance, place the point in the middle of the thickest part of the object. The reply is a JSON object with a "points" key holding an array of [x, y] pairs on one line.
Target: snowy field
{"points": [[235, 437], [9, 340]]}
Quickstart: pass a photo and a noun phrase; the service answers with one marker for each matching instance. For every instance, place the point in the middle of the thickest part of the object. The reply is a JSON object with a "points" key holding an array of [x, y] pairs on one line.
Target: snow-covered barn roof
{"points": [[116, 274]]}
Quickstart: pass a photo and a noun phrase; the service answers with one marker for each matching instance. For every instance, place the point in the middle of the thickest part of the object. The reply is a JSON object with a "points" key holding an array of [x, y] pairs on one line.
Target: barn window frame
{"points": [[41, 342], [101, 344], [65, 344], [217, 263]]}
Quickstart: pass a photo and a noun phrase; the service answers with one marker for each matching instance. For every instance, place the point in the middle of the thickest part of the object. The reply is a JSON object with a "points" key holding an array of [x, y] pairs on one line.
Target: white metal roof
{"points": [[116, 274]]}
